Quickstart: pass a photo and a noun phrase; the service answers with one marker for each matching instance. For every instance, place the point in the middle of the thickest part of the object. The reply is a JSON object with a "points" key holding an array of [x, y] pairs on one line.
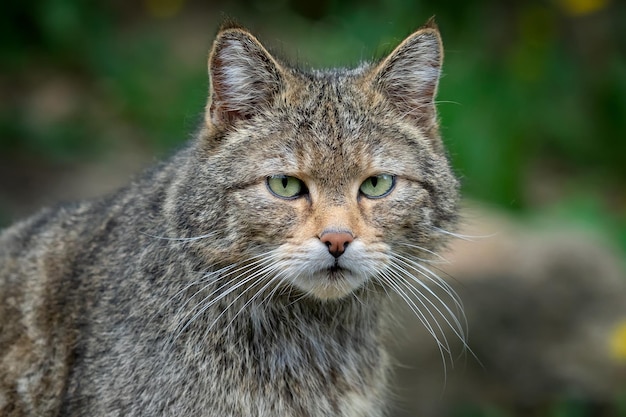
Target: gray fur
{"points": [[195, 291]]}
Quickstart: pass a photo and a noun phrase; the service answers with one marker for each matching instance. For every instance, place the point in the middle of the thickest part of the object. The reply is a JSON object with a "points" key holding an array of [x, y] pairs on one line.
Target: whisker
{"points": [[252, 299], [422, 299], [200, 310], [458, 329], [249, 267], [443, 260], [259, 276], [447, 102], [470, 238], [204, 278], [418, 313], [434, 278], [447, 288], [261, 265], [208, 279], [391, 281], [273, 292]]}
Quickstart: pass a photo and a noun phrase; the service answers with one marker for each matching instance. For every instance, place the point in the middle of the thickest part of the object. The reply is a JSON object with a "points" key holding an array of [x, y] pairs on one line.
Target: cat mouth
{"points": [[330, 282], [337, 271]]}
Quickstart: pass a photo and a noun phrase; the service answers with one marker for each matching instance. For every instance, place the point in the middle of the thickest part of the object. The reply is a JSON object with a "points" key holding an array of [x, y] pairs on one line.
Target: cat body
{"points": [[249, 274]]}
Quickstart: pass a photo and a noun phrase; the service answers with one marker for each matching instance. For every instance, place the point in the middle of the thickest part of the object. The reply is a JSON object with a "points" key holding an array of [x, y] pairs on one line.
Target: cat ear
{"points": [[409, 76], [244, 77]]}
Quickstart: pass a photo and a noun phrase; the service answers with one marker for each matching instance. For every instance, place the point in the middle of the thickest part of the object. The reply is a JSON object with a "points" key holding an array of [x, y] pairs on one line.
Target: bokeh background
{"points": [[533, 110]]}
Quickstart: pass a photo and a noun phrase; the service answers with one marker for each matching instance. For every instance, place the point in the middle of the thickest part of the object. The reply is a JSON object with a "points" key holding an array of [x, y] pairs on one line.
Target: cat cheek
{"points": [[270, 219], [395, 220], [380, 214]]}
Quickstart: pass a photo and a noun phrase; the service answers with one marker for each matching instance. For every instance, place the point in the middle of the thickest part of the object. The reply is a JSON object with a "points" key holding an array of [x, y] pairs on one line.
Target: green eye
{"points": [[284, 186], [378, 186]]}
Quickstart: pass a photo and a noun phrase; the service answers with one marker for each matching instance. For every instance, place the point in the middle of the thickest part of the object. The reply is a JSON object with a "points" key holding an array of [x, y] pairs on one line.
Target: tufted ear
{"points": [[409, 76], [244, 77]]}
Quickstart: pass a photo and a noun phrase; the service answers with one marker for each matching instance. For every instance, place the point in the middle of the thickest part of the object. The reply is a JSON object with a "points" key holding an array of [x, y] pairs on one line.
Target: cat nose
{"points": [[337, 242]]}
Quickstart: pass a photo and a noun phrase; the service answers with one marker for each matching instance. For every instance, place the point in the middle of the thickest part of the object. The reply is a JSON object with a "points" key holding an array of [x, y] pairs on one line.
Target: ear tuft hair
{"points": [[230, 24], [431, 24]]}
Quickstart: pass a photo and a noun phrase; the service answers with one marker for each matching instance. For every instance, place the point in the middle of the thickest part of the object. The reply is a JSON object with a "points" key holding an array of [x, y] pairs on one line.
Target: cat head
{"points": [[322, 180]]}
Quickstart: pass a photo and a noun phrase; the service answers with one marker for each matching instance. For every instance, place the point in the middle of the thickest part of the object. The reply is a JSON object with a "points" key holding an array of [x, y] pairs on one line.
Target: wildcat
{"points": [[250, 274]]}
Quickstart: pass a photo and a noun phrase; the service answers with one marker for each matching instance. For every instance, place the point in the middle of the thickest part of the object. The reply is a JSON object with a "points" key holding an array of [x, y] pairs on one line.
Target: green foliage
{"points": [[524, 83]]}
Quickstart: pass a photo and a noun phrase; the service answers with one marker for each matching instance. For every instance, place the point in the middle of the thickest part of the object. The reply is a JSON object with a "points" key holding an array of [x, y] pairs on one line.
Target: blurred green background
{"points": [[532, 102]]}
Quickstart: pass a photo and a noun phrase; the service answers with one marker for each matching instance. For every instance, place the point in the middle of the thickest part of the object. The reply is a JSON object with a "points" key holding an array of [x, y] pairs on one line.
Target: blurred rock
{"points": [[544, 307]]}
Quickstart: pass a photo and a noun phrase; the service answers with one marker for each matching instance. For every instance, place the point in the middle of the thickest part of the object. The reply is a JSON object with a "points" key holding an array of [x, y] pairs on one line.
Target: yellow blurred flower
{"points": [[618, 342], [582, 7], [163, 8]]}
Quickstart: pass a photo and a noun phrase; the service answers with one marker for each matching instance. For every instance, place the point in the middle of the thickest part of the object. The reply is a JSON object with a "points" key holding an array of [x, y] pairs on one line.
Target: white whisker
{"points": [[470, 238], [252, 299], [269, 271], [248, 267], [206, 277], [443, 260], [434, 278], [422, 299], [458, 329], [390, 281], [258, 267]]}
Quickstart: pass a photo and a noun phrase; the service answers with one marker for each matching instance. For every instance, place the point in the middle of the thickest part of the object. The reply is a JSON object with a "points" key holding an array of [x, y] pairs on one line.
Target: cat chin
{"points": [[330, 284], [311, 269]]}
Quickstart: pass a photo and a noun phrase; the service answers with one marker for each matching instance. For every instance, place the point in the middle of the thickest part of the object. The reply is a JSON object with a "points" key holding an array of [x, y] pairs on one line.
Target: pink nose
{"points": [[337, 242]]}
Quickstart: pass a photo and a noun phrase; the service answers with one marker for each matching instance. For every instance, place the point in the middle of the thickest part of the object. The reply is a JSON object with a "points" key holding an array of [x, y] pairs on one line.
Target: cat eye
{"points": [[285, 186], [378, 186]]}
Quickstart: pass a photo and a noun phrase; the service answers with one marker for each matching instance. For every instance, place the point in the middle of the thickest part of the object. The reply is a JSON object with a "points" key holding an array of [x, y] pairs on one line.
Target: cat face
{"points": [[330, 179]]}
